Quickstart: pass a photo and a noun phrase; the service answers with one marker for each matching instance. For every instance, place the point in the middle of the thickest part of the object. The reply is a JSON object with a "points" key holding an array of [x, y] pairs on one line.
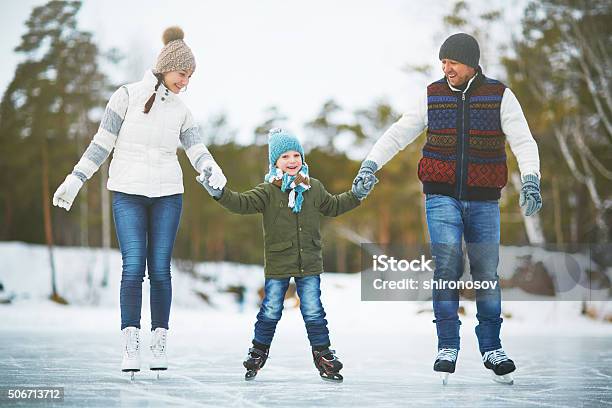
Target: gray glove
{"points": [[365, 180], [204, 180], [530, 199]]}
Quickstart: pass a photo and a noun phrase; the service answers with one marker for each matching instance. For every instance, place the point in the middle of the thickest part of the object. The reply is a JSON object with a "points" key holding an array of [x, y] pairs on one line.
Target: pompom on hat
{"points": [[175, 55]]}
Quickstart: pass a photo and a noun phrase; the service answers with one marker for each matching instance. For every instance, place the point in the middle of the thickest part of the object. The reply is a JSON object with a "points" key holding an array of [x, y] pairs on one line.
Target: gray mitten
{"points": [[365, 180], [530, 199]]}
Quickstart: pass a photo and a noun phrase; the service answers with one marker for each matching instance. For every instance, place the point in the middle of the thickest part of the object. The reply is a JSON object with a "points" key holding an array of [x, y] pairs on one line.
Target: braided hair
{"points": [[151, 99]]}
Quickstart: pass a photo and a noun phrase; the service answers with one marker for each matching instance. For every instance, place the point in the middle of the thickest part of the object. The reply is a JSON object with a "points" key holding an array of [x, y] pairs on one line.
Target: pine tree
{"points": [[42, 112]]}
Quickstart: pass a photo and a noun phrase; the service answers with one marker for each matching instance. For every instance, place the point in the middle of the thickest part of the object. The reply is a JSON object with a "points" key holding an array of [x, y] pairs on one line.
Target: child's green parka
{"points": [[292, 241]]}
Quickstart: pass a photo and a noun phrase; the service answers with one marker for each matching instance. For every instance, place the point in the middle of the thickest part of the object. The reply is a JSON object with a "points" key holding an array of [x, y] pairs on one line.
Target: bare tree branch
{"points": [[587, 54], [595, 197], [595, 95], [569, 159], [593, 160], [596, 62]]}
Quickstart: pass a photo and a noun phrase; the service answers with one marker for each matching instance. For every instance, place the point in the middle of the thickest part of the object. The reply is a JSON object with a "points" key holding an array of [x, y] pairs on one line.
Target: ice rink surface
{"points": [[383, 367]]}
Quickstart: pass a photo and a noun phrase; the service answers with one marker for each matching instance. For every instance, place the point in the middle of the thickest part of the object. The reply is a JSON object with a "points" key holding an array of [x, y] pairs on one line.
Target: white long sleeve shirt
{"points": [[414, 121]]}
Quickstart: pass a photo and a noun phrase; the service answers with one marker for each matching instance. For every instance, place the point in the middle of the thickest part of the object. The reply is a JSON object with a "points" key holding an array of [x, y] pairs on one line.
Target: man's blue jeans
{"points": [[448, 220], [146, 230], [309, 292]]}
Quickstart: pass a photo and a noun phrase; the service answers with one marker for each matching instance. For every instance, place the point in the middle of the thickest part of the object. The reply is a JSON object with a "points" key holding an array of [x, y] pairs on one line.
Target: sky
{"points": [[252, 55]]}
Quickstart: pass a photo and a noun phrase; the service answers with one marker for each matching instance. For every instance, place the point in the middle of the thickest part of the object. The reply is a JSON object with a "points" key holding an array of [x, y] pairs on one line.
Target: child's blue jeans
{"points": [[309, 292]]}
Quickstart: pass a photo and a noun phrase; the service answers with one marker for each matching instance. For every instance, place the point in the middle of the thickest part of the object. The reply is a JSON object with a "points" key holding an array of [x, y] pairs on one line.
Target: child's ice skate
{"points": [[328, 364], [255, 361]]}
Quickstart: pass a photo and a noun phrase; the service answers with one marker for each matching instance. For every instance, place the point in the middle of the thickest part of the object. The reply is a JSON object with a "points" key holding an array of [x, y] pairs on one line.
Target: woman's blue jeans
{"points": [[146, 230]]}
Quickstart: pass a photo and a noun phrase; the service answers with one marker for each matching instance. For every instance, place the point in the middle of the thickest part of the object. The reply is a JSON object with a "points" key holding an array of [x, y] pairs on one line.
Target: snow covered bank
{"points": [[202, 294]]}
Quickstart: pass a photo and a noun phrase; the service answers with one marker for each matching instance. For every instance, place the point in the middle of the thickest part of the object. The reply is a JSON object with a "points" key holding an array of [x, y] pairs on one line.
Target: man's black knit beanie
{"points": [[461, 47]]}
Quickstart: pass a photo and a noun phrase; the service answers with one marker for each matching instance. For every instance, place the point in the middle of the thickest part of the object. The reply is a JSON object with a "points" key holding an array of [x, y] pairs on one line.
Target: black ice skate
{"points": [[500, 365], [328, 365], [445, 363], [255, 360]]}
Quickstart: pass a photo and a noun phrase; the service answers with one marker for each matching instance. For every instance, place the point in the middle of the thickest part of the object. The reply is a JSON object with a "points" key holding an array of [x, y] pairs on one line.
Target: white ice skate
{"points": [[159, 359], [131, 350]]}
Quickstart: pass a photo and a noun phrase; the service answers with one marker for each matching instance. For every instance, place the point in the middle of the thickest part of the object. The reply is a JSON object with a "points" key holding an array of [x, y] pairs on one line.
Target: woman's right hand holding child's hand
{"points": [[212, 178], [216, 178]]}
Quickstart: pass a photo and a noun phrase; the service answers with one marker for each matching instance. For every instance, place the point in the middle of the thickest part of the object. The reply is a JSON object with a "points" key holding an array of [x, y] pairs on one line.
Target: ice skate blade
{"points": [[334, 378], [158, 368], [502, 379], [250, 375], [444, 377], [131, 371]]}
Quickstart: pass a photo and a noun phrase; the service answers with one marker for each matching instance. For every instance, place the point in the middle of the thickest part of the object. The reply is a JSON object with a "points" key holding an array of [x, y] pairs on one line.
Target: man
{"points": [[463, 169]]}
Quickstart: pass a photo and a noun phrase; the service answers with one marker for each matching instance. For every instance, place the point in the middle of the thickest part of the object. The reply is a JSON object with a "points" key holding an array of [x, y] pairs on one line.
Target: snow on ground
{"points": [[563, 359]]}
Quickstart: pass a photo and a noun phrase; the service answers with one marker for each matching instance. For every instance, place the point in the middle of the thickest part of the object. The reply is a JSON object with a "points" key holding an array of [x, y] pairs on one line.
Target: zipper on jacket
{"points": [[461, 150], [297, 225]]}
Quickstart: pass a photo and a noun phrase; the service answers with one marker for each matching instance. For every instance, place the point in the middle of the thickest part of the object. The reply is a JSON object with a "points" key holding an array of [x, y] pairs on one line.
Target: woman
{"points": [[143, 123]]}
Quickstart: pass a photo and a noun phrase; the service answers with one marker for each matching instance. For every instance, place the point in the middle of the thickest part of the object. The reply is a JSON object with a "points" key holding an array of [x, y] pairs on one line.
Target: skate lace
{"points": [[495, 357], [448, 354], [327, 356], [132, 343], [332, 356], [253, 354], [159, 343]]}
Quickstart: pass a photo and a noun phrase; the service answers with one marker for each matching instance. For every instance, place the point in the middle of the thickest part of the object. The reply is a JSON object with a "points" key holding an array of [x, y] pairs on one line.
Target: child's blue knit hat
{"points": [[281, 141]]}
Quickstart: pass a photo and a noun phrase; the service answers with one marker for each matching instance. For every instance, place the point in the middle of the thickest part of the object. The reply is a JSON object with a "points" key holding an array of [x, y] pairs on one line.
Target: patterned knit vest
{"points": [[464, 155]]}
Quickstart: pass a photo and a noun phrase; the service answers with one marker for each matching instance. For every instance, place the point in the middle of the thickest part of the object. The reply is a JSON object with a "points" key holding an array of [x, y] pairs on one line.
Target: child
{"points": [[143, 123], [292, 204]]}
